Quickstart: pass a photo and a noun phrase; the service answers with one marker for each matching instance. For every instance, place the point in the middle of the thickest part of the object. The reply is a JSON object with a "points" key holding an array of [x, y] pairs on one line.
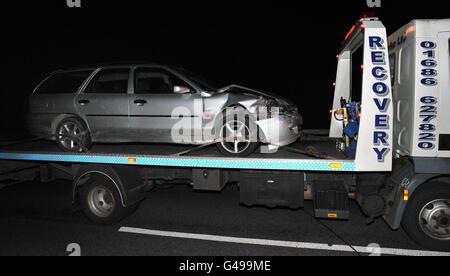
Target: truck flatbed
{"points": [[308, 154]]}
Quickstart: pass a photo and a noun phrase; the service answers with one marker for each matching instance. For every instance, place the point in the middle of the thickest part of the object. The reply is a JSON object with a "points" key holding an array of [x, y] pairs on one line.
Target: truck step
{"points": [[330, 200]]}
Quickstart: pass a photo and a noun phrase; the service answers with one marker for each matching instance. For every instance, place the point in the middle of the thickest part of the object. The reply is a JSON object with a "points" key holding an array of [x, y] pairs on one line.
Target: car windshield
{"points": [[200, 81]]}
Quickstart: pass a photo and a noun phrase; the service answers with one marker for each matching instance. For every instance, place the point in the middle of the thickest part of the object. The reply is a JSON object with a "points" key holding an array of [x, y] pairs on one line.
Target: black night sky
{"points": [[287, 48]]}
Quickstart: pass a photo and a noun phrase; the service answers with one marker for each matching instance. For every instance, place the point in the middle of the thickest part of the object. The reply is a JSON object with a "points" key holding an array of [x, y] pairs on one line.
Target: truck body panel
{"points": [[419, 56]]}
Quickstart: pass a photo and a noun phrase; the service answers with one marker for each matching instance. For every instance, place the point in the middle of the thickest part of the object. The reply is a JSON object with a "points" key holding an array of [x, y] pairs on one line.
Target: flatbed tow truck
{"points": [[390, 150]]}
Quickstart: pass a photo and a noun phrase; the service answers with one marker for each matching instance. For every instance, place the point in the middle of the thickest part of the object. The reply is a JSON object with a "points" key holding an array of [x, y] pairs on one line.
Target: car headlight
{"points": [[271, 103], [289, 110], [272, 106]]}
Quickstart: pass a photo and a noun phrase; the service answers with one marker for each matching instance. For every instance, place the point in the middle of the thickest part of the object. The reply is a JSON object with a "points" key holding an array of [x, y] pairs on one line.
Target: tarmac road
{"points": [[38, 219]]}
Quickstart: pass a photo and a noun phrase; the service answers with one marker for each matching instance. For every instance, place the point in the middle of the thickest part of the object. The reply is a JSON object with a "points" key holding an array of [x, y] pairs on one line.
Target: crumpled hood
{"points": [[278, 98]]}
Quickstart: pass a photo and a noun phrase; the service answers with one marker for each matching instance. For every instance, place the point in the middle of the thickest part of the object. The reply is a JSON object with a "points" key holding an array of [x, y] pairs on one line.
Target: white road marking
{"points": [[278, 243]]}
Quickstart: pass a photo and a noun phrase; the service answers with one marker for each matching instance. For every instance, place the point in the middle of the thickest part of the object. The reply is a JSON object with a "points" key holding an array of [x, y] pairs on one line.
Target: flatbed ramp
{"points": [[309, 154]]}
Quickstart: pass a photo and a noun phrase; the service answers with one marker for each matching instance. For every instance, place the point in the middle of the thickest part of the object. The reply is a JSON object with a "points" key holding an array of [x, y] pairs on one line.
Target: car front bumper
{"points": [[280, 131]]}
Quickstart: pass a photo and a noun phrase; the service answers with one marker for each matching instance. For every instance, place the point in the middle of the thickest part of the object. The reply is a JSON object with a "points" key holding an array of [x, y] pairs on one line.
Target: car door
{"points": [[104, 105], [164, 108], [53, 97]]}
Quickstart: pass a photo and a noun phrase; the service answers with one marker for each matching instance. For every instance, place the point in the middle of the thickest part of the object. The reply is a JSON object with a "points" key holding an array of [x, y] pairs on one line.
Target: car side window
{"points": [[63, 83], [156, 81], [109, 81]]}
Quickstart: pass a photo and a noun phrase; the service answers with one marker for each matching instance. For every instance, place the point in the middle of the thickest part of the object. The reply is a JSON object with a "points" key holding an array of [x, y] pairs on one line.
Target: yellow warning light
{"points": [[332, 215], [131, 160], [336, 165], [405, 195]]}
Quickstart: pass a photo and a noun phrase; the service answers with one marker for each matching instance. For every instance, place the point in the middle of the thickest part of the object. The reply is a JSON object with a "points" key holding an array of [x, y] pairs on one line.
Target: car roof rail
{"points": [[111, 63]]}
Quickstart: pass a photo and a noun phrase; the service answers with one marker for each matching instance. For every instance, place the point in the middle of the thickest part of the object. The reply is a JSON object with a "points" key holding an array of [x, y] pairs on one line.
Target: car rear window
{"points": [[63, 83]]}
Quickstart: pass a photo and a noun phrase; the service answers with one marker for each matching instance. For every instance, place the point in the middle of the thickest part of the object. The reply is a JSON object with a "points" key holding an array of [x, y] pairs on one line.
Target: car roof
{"points": [[112, 65]]}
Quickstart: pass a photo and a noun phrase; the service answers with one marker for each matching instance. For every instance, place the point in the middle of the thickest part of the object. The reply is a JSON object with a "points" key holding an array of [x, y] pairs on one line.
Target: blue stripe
{"points": [[292, 165]]}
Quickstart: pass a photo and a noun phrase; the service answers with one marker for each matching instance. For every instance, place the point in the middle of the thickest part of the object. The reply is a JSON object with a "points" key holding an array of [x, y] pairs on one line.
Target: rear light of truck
{"points": [[405, 195]]}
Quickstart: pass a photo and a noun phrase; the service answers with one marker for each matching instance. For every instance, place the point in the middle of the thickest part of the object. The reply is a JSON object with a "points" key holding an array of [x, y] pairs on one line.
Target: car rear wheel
{"points": [[237, 135], [72, 135]]}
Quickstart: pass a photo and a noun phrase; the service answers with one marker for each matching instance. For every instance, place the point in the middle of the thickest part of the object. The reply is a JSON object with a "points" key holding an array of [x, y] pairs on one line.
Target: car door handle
{"points": [[83, 102], [140, 102]]}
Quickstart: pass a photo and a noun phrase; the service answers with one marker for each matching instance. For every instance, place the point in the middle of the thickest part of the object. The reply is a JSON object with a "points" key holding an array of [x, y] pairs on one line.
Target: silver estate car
{"points": [[157, 104]]}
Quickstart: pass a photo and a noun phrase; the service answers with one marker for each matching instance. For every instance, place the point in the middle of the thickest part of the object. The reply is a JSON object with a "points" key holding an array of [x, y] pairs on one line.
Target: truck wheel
{"points": [[427, 216], [237, 135], [101, 202], [72, 135]]}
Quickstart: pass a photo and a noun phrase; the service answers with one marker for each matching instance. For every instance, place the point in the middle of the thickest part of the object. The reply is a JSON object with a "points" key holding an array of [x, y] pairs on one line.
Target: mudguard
{"points": [[404, 177], [127, 180]]}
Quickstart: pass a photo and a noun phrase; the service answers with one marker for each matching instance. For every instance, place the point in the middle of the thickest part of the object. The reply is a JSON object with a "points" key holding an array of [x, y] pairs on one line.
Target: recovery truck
{"points": [[388, 147]]}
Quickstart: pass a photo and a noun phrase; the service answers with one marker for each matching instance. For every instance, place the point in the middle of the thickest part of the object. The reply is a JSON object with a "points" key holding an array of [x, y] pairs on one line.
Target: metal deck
{"points": [[287, 158]]}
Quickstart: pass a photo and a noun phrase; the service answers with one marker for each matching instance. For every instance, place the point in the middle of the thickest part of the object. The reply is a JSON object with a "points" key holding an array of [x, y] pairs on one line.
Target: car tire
{"points": [[427, 216], [238, 122], [66, 135], [101, 202]]}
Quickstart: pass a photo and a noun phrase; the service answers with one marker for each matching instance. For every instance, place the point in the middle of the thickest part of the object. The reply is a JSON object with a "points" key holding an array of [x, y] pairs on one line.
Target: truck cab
{"points": [[403, 129], [419, 58], [418, 188]]}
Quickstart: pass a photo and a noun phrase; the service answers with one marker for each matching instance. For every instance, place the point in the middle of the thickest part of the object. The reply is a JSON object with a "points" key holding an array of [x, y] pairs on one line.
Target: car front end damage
{"points": [[278, 120], [279, 129]]}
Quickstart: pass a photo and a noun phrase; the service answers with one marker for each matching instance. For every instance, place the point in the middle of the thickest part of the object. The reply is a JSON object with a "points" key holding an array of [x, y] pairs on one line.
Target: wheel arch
{"points": [[56, 121], [426, 182], [261, 134], [414, 186], [233, 105], [125, 178]]}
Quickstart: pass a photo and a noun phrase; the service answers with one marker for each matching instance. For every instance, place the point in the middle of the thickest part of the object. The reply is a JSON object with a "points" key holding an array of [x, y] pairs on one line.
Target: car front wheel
{"points": [[237, 137]]}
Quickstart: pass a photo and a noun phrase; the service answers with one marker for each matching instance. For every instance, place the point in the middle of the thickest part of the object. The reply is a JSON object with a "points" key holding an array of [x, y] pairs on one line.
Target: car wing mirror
{"points": [[181, 90]]}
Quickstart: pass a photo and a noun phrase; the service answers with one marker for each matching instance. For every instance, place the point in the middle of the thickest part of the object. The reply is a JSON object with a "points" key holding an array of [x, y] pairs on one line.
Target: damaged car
{"points": [[152, 103]]}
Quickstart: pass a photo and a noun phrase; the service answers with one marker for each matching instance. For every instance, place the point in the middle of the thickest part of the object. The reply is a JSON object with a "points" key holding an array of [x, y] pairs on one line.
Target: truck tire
{"points": [[101, 202], [232, 126], [427, 216], [72, 135]]}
